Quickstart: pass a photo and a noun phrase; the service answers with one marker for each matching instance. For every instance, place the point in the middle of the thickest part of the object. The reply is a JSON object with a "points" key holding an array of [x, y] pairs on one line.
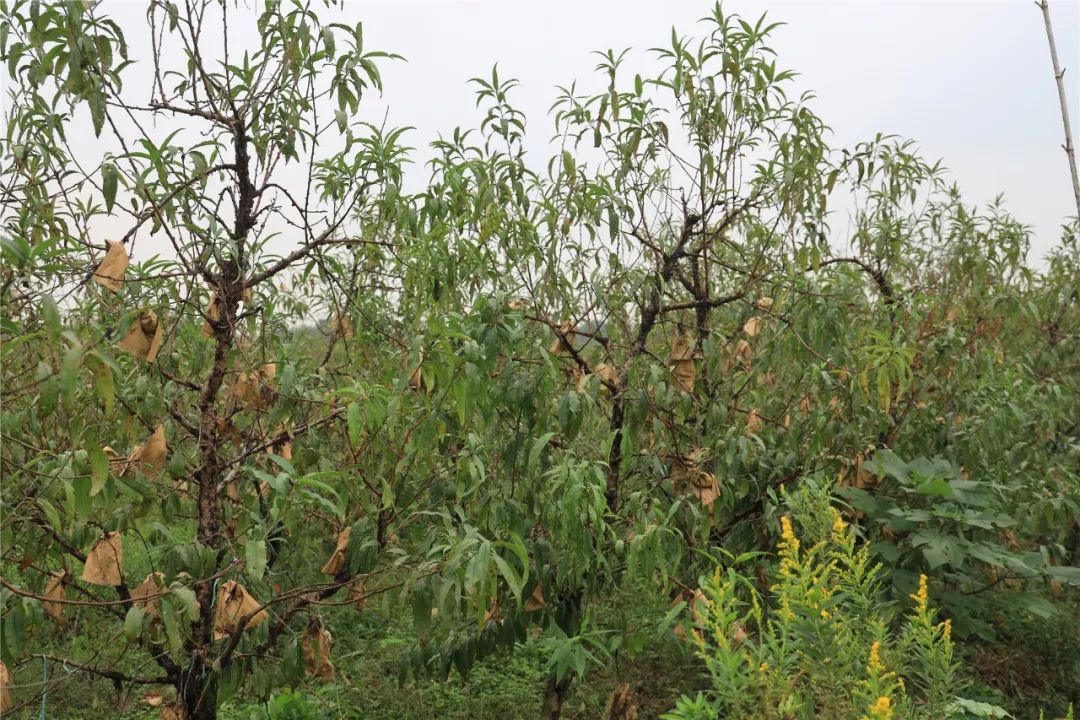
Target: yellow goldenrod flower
{"points": [[874, 665], [763, 667], [788, 534], [946, 629], [921, 596], [824, 614], [881, 709], [838, 524]]}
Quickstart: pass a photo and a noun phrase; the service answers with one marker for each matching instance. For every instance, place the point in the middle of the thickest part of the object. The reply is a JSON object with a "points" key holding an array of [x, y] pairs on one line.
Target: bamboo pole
{"points": [[1059, 77]]}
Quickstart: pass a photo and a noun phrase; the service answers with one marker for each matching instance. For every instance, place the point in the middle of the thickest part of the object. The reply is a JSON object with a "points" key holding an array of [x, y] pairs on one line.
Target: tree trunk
{"points": [[198, 691], [554, 697]]}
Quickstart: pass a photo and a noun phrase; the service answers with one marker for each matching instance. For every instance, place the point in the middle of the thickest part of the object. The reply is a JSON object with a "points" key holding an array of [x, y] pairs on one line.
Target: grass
{"points": [[367, 646], [1034, 665]]}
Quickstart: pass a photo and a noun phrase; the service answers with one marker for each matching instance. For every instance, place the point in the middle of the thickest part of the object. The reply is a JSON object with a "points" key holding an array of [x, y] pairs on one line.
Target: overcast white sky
{"points": [[970, 81]]}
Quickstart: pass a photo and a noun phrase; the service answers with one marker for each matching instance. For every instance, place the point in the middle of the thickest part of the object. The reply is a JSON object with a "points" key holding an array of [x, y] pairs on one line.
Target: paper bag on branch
{"points": [[741, 354], [146, 595], [105, 563], [753, 421], [559, 344], [234, 603], [337, 559], [255, 389], [149, 457], [687, 477], [144, 338], [621, 705], [6, 701], [110, 273], [492, 615], [536, 601], [416, 378], [213, 314], [282, 445], [682, 362], [341, 326], [55, 591], [357, 594], [316, 645], [173, 711], [607, 373], [753, 326]]}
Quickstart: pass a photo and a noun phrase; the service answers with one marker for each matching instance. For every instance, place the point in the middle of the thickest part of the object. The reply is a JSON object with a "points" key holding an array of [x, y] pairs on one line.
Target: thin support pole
{"points": [[1059, 76]]}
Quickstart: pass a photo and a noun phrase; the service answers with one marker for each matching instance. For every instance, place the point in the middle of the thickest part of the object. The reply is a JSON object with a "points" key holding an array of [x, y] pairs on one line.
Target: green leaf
{"points": [[512, 578], [538, 448], [52, 316], [934, 486], [109, 182], [188, 602], [99, 468], [104, 383], [255, 558], [69, 371], [172, 625], [1066, 574], [51, 514], [353, 417], [133, 623], [328, 42]]}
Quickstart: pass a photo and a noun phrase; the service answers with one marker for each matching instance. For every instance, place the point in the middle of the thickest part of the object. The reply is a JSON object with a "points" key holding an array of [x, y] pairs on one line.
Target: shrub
{"points": [[824, 643]]}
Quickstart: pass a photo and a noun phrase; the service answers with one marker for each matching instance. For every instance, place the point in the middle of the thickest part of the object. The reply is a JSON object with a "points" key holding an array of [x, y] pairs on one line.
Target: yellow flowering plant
{"points": [[820, 641]]}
